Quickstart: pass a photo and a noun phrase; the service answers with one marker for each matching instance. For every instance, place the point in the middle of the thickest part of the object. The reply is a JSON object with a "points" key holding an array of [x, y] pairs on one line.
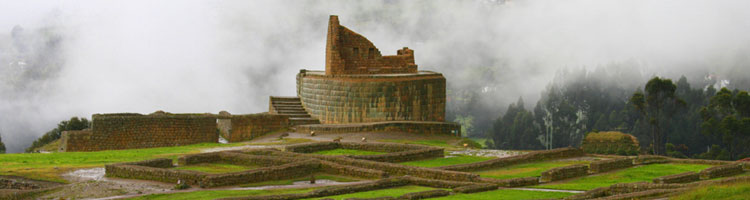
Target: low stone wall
{"points": [[158, 163], [311, 147], [436, 183], [75, 140], [425, 194], [525, 158], [390, 168], [416, 127], [404, 156], [333, 190], [650, 159], [475, 188], [566, 172], [398, 152], [333, 168], [246, 127], [154, 174], [678, 178], [513, 182], [291, 170], [721, 171], [608, 165]]}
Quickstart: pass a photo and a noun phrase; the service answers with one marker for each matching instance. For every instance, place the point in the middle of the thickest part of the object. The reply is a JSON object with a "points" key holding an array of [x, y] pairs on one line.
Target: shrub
{"points": [[609, 143], [470, 143]]}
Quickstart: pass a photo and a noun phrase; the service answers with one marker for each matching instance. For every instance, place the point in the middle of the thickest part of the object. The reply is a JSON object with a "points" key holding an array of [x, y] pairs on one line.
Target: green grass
{"points": [[291, 181], [436, 143], [214, 194], [392, 192], [336, 152], [49, 166], [481, 141], [730, 191], [438, 162], [216, 168], [629, 175], [507, 194], [526, 170]]}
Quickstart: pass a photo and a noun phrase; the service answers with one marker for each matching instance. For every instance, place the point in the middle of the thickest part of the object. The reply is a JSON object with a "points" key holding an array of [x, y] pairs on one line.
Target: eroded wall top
{"points": [[348, 52]]}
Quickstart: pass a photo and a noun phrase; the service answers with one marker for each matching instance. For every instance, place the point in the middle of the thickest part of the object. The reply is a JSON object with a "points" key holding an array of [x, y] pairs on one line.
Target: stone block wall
{"points": [[416, 127], [512, 160], [721, 171], [340, 99], [130, 131], [566, 172], [678, 178], [237, 128], [607, 165]]}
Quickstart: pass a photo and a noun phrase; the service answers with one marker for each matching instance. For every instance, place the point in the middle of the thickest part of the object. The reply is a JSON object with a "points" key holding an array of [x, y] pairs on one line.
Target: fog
{"points": [[86, 57]]}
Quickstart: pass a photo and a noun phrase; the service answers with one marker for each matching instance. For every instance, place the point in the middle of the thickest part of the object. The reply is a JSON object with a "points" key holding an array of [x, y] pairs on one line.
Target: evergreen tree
{"points": [[655, 105], [2, 146]]}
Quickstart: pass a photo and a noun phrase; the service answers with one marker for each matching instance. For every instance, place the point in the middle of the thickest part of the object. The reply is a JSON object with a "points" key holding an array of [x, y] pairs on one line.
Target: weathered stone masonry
{"points": [[130, 131], [337, 99]]}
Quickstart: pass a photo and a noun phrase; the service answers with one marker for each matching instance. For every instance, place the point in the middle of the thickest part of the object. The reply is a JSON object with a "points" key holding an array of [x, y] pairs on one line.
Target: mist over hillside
{"points": [[63, 59]]}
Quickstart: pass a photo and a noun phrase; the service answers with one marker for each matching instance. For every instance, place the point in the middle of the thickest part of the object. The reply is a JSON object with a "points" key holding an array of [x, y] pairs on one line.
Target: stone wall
{"points": [[348, 52], [607, 165], [678, 178], [721, 171], [131, 131], [246, 127], [337, 99], [566, 172], [512, 160], [416, 127]]}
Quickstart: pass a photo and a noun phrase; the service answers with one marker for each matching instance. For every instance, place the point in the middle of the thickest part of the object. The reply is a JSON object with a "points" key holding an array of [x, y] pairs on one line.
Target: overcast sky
{"points": [[208, 56]]}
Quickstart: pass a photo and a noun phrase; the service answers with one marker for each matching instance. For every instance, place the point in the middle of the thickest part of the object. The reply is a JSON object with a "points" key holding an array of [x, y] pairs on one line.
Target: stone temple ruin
{"points": [[360, 91]]}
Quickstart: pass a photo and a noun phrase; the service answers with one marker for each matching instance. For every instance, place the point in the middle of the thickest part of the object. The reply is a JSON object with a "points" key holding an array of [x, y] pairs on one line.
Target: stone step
{"points": [[280, 103], [303, 121], [286, 106], [297, 115], [291, 113], [292, 110], [285, 99]]}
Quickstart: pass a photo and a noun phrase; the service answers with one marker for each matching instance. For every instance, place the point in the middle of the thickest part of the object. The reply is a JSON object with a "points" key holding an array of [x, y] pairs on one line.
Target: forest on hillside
{"points": [[674, 118]]}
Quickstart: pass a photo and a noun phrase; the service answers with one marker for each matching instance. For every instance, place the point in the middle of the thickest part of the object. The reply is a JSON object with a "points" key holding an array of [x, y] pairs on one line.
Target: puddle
{"points": [[95, 174], [487, 153]]}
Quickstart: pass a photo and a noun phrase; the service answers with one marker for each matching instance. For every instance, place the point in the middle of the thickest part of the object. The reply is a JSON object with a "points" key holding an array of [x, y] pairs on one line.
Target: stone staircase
{"points": [[292, 107]]}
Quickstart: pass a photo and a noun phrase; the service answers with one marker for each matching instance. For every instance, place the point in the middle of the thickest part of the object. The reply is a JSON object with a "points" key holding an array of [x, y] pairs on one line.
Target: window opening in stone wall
{"points": [[371, 53], [356, 51]]}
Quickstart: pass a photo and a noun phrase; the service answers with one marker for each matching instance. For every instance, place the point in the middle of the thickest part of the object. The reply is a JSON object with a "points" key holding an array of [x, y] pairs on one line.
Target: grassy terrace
{"points": [[216, 168], [730, 191], [526, 170], [49, 166], [392, 192], [438, 162], [214, 194], [435, 143], [336, 152], [629, 175], [508, 194]]}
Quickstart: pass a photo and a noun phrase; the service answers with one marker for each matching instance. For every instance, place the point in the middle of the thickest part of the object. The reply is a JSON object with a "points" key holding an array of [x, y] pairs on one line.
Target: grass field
{"points": [[319, 176], [507, 194], [392, 192], [214, 194], [438, 162], [629, 175], [216, 168], [526, 170], [336, 152], [726, 192], [481, 141], [49, 166]]}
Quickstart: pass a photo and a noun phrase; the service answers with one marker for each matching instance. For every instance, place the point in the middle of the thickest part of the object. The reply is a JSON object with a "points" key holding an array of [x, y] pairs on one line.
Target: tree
{"points": [[727, 117], [73, 124], [2, 146], [658, 102]]}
